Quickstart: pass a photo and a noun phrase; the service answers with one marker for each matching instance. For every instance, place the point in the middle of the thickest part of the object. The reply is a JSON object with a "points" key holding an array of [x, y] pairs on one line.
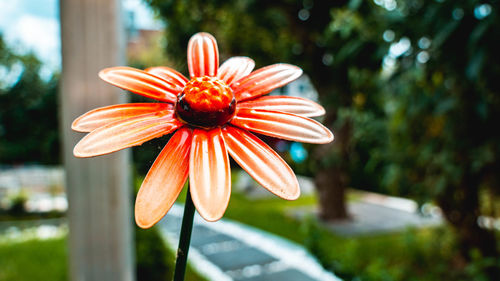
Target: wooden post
{"points": [[100, 222]]}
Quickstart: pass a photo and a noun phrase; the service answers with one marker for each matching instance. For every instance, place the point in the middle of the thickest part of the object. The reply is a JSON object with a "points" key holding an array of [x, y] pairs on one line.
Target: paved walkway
{"points": [[227, 250], [369, 219], [373, 213]]}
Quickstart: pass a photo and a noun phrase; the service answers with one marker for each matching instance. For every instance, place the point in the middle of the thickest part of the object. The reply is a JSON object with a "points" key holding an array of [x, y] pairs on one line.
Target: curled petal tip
{"points": [[102, 73], [321, 112], [141, 83], [292, 192], [102, 116], [264, 80], [143, 222], [235, 68], [203, 33], [329, 137], [78, 152], [168, 74], [288, 104], [75, 127], [203, 55], [105, 73], [292, 197], [282, 125], [210, 217], [298, 70], [333, 137]]}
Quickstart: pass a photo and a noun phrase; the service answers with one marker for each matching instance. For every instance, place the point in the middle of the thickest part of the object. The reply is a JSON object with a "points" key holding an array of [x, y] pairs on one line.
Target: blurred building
{"points": [[301, 87], [41, 186], [145, 43]]}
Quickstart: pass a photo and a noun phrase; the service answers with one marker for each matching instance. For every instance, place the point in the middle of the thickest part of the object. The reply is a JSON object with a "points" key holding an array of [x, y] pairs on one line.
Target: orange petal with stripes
{"points": [[202, 55], [168, 74], [126, 133], [235, 68], [264, 80], [282, 125], [294, 105], [104, 115], [164, 181], [141, 83], [261, 162], [209, 173]]}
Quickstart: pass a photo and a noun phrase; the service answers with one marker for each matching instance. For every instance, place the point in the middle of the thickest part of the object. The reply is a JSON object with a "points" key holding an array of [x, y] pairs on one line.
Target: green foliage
{"points": [[28, 115], [339, 46], [17, 206], [33, 260], [442, 112], [154, 261], [413, 254], [417, 123], [440, 115]]}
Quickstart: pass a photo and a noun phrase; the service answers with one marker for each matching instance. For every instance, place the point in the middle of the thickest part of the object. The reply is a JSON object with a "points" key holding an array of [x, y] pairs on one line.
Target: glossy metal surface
{"points": [[196, 149], [169, 74], [294, 105], [209, 174], [235, 68], [126, 133], [141, 83], [261, 162], [203, 55], [264, 80], [164, 181], [104, 115], [282, 125]]}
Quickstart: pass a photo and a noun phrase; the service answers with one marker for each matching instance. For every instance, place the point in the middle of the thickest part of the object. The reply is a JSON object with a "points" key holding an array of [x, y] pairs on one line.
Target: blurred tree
{"points": [[338, 45], [153, 258], [28, 111], [443, 110], [18, 206], [438, 90]]}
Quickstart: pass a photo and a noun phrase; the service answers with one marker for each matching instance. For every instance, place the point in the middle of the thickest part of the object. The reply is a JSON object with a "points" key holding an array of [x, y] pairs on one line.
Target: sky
{"points": [[33, 25]]}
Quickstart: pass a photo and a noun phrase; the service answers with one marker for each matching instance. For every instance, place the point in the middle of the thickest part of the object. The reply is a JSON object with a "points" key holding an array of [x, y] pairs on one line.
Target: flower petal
{"points": [[169, 74], [126, 133], [264, 80], [294, 105], [282, 125], [164, 181], [209, 173], [235, 68], [141, 82], [104, 115], [202, 55], [261, 162]]}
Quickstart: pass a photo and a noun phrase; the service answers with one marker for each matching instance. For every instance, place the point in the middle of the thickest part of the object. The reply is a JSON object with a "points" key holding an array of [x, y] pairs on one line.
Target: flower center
{"points": [[206, 102]]}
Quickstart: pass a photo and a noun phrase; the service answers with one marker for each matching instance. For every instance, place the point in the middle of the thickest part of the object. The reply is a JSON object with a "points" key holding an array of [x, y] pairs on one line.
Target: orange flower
{"points": [[211, 115]]}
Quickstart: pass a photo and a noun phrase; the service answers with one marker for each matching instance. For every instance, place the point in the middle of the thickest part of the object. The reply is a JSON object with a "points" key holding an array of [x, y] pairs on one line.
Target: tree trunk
{"points": [[331, 188], [332, 181]]}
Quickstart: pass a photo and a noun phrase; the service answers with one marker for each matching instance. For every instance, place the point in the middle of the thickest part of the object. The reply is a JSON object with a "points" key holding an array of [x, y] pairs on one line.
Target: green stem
{"points": [[184, 239]]}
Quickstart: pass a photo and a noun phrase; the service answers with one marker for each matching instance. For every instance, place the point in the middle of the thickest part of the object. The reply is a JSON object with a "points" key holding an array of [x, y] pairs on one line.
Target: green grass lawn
{"points": [[34, 260], [411, 255], [47, 259]]}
